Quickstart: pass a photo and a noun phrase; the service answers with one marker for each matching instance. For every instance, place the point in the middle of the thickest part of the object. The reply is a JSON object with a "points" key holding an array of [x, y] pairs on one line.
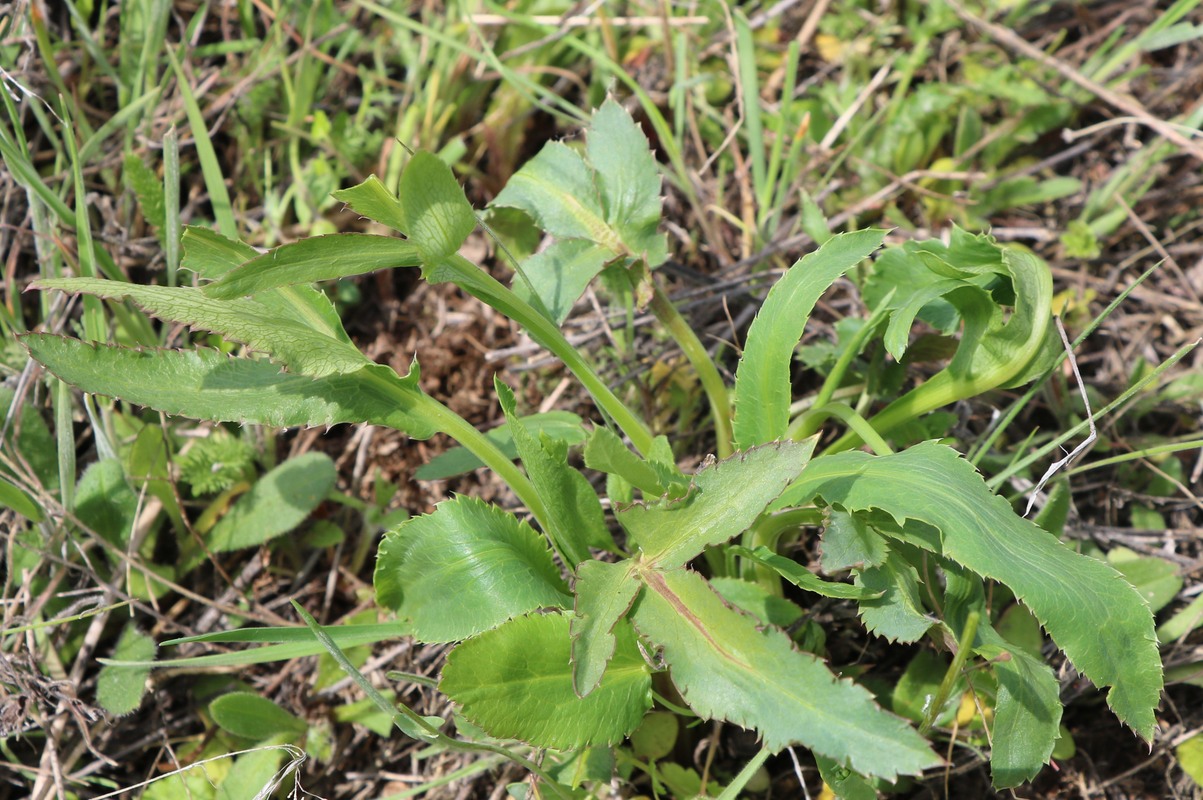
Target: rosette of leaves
{"points": [[552, 618]]}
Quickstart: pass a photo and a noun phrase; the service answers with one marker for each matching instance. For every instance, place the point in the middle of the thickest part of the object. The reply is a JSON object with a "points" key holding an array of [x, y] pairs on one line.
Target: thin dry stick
{"points": [[1128, 105], [1087, 442], [852, 110], [798, 772]]}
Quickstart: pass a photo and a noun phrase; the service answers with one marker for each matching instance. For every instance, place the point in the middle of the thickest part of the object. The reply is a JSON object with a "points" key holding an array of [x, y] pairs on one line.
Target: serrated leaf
{"points": [[557, 189], [211, 256], [728, 667], [559, 275], [996, 350], [758, 601], [253, 717], [373, 200], [727, 498], [848, 541], [318, 258], [762, 380], [563, 426], [605, 452], [604, 593], [297, 346], [1097, 618], [800, 576], [515, 682], [897, 613], [574, 512], [119, 690], [278, 502], [436, 214], [628, 179], [206, 384], [1156, 579], [465, 568]]}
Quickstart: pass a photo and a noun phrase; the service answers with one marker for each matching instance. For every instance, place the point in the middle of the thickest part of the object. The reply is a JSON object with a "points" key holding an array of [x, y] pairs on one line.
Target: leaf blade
{"points": [[727, 498], [801, 577], [727, 667], [604, 594], [575, 515], [206, 384], [465, 568], [278, 502], [436, 214], [1097, 618], [762, 380], [318, 258], [296, 345], [516, 683]]}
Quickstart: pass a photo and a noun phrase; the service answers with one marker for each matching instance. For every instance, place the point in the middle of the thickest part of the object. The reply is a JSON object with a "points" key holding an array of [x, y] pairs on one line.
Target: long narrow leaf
{"points": [[424, 729], [287, 646], [1099, 620], [762, 381], [298, 347], [727, 498], [206, 384], [319, 258]]}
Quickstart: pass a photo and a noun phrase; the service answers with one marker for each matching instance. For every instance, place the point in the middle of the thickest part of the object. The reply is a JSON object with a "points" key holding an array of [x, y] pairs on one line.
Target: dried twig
{"points": [[1087, 442]]}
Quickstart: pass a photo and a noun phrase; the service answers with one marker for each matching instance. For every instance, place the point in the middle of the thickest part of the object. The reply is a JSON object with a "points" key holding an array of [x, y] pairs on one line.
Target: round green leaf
{"points": [[656, 735], [119, 689], [515, 682], [253, 717], [465, 568]]}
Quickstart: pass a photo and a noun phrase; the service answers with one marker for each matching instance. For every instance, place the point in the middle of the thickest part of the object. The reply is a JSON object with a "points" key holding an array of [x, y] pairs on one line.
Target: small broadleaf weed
{"points": [[560, 626]]}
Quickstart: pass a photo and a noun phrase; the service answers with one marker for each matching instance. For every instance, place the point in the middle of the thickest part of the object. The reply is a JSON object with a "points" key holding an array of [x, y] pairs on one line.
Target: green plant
{"points": [[566, 634]]}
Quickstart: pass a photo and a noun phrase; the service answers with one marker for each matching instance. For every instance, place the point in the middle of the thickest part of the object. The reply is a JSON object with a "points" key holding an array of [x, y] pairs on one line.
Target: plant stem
{"points": [[713, 384], [862, 429], [767, 532], [808, 424], [964, 645], [745, 775], [488, 289], [483, 448]]}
